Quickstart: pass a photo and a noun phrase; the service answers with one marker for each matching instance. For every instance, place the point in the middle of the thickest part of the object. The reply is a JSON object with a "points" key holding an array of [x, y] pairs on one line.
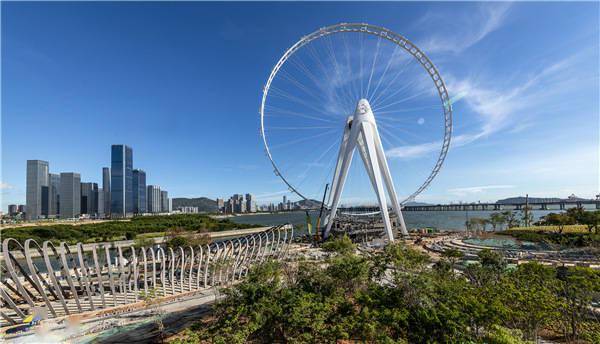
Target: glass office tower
{"points": [[121, 181], [37, 189], [139, 192]]}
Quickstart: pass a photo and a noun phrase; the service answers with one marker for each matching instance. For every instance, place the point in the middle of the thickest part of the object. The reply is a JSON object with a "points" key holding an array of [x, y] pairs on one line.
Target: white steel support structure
{"points": [[361, 133]]}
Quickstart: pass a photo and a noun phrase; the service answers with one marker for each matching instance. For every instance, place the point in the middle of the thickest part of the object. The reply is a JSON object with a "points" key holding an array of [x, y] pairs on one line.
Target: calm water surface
{"points": [[442, 220]]}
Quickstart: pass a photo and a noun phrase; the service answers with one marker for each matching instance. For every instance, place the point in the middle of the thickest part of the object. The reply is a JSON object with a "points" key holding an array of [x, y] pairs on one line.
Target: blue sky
{"points": [[181, 83]]}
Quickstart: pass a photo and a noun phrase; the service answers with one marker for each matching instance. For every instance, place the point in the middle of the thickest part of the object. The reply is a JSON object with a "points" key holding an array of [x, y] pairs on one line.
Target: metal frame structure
{"points": [[66, 283], [393, 37]]}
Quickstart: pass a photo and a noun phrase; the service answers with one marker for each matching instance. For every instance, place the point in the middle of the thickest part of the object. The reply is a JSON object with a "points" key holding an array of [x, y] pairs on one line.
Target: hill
{"points": [[204, 204], [308, 204]]}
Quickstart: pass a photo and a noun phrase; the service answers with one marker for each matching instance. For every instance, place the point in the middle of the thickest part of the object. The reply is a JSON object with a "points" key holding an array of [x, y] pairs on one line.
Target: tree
{"points": [[526, 215], [452, 255], [560, 220], [511, 218], [530, 294], [591, 219], [578, 288], [478, 224], [497, 219]]}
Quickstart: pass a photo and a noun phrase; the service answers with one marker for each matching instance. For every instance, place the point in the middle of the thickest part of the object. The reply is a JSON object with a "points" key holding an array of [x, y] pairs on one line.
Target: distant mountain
{"points": [[416, 203], [521, 199], [204, 204], [310, 203]]}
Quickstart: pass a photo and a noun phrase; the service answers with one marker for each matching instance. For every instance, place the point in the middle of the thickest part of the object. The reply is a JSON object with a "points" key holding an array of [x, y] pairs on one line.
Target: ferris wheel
{"points": [[356, 87]]}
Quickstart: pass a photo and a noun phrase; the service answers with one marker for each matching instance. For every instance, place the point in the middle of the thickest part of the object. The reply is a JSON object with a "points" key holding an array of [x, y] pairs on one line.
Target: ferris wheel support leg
{"points": [[362, 148], [389, 182], [373, 168], [339, 179]]}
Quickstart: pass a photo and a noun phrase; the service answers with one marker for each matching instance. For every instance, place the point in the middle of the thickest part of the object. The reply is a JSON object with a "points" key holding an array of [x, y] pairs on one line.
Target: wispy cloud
{"points": [[5, 186], [269, 196], [502, 108], [462, 29], [477, 189]]}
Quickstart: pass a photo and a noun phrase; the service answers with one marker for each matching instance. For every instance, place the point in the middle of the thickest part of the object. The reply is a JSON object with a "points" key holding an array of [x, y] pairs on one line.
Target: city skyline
{"points": [[520, 115]]}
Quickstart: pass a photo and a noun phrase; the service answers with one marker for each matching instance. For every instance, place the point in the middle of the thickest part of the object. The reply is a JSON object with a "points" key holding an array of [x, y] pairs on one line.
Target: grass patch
{"points": [[554, 238], [566, 229]]}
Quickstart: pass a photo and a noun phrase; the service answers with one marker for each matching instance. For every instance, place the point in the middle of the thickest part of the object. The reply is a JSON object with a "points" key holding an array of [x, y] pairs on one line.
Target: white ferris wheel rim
{"points": [[393, 37]]}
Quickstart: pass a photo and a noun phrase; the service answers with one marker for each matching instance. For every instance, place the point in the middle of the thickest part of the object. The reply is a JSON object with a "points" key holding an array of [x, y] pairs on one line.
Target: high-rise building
{"points": [[12, 209], [139, 192], [89, 199], [22, 208], [164, 202], [153, 195], [220, 205], [37, 197], [121, 181], [106, 190], [101, 213], [250, 204], [54, 190], [70, 195]]}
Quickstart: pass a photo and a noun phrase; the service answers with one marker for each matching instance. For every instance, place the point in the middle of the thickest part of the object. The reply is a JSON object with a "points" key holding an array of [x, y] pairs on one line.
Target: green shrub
{"points": [[340, 245]]}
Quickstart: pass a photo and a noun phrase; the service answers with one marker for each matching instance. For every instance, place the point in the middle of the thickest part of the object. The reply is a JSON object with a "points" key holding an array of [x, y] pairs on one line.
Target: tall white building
{"points": [[153, 196], [250, 203]]}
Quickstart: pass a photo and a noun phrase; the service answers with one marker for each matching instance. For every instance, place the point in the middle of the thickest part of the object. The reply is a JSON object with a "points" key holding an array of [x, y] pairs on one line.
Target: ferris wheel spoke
{"points": [[300, 85], [404, 131], [287, 96], [285, 112], [317, 161], [385, 90], [298, 128], [354, 88], [303, 139], [317, 59], [389, 133], [382, 77], [404, 100], [373, 65], [304, 69], [405, 110]]}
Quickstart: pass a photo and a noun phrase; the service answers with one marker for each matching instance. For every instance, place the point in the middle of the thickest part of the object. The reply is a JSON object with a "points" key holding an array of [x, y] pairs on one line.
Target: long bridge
{"points": [[50, 281], [547, 205]]}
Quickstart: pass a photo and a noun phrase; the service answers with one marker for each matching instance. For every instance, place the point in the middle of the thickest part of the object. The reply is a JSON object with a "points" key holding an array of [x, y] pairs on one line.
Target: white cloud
{"points": [[462, 29], [477, 189], [5, 186], [500, 109]]}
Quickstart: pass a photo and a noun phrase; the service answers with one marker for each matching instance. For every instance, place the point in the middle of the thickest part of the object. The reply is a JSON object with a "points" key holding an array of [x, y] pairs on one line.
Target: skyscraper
{"points": [[106, 190], [54, 190], [153, 195], [139, 192], [100, 203], [250, 204], [12, 209], [70, 195], [37, 189], [89, 199], [121, 181], [164, 202]]}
